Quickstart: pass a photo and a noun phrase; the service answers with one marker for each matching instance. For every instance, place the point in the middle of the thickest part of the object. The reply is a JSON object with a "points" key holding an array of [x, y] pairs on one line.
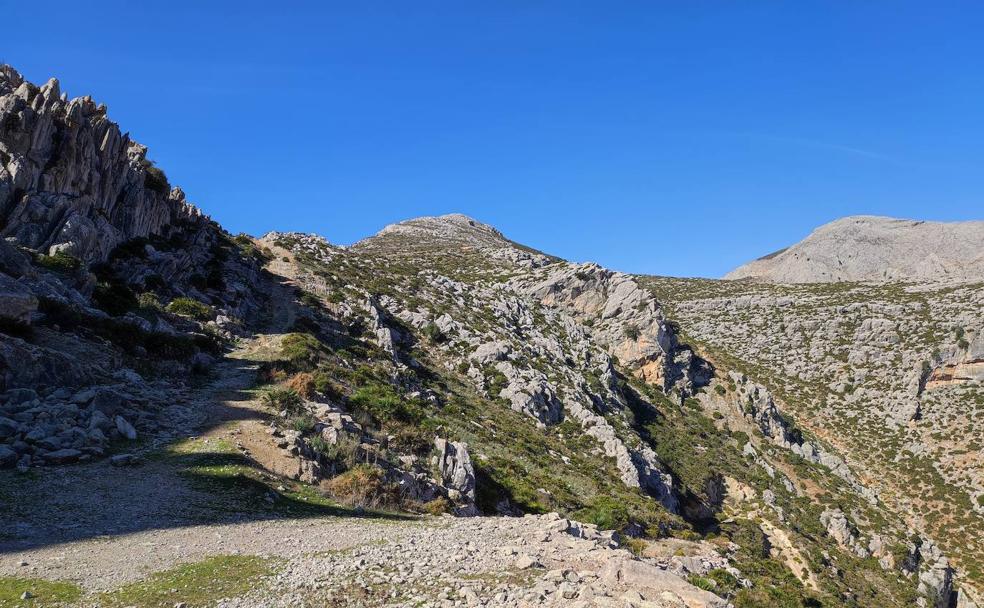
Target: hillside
{"points": [[869, 248], [288, 421]]}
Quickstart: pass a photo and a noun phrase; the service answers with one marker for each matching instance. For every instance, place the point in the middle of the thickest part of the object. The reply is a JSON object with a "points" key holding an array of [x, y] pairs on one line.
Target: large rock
{"points": [[69, 180], [626, 573], [16, 301], [456, 474]]}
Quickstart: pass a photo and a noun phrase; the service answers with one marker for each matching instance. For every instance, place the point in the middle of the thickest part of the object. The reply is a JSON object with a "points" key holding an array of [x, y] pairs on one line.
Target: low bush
{"points": [[155, 180], [301, 351], [190, 307], [284, 399], [364, 486], [606, 513], [114, 297], [437, 506], [302, 423], [383, 403], [434, 334], [324, 385], [148, 300], [302, 383], [61, 262]]}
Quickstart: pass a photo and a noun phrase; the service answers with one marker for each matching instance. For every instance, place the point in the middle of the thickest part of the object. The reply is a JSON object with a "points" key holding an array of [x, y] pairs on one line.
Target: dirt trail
{"points": [[100, 525]]}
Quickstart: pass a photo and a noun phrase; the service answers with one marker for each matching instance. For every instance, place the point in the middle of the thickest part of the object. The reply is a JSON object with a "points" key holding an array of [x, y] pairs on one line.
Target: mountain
{"points": [[870, 248], [440, 416]]}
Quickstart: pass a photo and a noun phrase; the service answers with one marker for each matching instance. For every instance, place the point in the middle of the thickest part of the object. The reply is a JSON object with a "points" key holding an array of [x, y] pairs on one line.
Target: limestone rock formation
{"points": [[70, 181], [456, 474]]}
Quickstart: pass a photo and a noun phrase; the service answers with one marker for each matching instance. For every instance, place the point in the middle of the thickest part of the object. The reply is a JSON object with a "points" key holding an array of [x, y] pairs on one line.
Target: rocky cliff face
{"points": [[70, 181], [869, 248]]}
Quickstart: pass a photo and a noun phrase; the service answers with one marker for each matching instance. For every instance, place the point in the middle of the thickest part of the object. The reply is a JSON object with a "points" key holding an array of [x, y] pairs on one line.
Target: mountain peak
{"points": [[876, 248], [456, 226]]}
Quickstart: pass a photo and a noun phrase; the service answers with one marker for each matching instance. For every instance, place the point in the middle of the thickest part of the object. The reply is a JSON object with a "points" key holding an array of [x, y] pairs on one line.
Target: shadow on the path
{"points": [[188, 480]]}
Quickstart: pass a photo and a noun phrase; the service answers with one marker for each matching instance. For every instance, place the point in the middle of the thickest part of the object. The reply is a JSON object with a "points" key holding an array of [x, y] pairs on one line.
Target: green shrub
{"points": [[606, 513], [720, 390], [324, 385], [148, 300], [434, 334], [301, 351], [284, 399], [61, 262], [303, 423], [437, 506], [155, 180], [189, 307], [383, 403], [322, 447], [631, 331], [701, 582]]}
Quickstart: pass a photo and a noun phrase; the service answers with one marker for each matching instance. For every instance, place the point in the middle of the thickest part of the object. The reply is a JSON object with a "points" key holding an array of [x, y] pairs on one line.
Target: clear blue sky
{"points": [[677, 138]]}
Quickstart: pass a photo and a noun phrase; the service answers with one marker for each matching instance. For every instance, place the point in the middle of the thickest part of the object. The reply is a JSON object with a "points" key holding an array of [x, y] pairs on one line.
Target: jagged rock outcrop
{"points": [[623, 317], [870, 248], [841, 530], [70, 181], [936, 576], [456, 473], [963, 363]]}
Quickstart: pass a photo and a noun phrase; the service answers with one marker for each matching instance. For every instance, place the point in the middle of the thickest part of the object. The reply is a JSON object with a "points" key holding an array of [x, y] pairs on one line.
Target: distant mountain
{"points": [[871, 248]]}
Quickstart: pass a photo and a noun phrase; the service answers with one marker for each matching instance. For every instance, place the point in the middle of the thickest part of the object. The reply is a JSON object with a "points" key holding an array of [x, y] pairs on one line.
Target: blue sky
{"points": [[670, 138]]}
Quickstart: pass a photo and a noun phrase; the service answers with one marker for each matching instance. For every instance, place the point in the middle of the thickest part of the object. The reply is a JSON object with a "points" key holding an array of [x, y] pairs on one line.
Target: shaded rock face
{"points": [[69, 180], [16, 301], [936, 577], [869, 248]]}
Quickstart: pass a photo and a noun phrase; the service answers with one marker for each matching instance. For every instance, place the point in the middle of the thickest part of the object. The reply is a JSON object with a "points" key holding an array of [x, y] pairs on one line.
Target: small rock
{"points": [[62, 456], [122, 460], [125, 428]]}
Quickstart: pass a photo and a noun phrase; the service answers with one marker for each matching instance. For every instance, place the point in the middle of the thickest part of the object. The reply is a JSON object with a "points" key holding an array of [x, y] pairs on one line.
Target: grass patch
{"points": [[60, 262], [44, 593], [198, 584]]}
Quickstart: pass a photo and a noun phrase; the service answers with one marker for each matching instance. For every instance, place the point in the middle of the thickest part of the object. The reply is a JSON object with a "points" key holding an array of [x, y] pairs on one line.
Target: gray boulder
{"points": [[456, 474], [125, 428]]}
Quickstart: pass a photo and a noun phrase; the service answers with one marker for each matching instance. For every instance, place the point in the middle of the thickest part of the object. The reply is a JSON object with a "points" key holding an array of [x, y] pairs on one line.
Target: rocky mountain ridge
{"points": [[872, 248], [436, 367]]}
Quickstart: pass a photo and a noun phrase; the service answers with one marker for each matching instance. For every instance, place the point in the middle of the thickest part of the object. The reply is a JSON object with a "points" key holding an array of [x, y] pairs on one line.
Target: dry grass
{"points": [[364, 486]]}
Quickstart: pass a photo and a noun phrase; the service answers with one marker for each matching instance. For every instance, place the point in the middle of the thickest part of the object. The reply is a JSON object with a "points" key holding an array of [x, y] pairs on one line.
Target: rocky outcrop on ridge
{"points": [[870, 248], [70, 181]]}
